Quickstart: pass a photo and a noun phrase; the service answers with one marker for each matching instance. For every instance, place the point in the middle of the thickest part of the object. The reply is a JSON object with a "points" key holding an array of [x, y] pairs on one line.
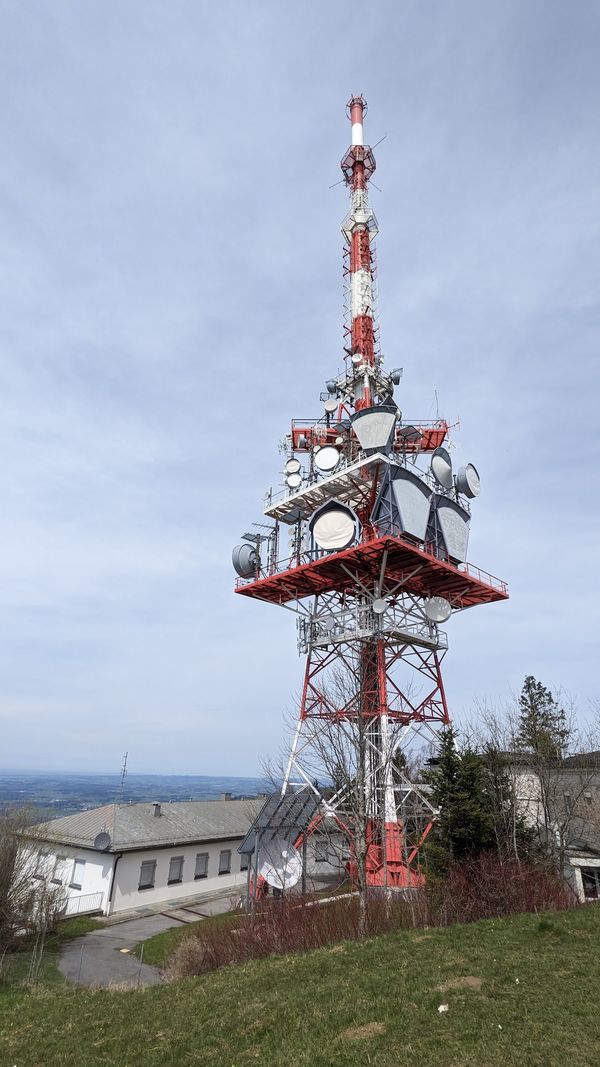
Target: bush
{"points": [[488, 888], [484, 888]]}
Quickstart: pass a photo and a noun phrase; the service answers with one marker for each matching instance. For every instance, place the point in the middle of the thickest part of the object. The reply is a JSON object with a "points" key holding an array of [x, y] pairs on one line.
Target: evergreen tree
{"points": [[542, 729], [465, 825]]}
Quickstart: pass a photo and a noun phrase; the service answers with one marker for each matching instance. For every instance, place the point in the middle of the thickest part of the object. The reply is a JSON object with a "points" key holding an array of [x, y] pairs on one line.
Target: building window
{"points": [[77, 875], [225, 861], [244, 861], [175, 870], [201, 870], [40, 863], [58, 874], [590, 876], [321, 852], [147, 874]]}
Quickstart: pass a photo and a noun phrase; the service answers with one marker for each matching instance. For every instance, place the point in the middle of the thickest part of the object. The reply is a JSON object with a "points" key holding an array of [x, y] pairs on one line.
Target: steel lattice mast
{"points": [[376, 561]]}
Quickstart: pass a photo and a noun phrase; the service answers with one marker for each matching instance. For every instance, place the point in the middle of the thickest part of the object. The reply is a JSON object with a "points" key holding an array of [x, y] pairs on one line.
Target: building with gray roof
{"points": [[128, 857]]}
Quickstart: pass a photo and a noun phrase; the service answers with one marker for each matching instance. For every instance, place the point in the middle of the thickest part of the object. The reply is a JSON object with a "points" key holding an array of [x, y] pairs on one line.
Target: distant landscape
{"points": [[51, 795]]}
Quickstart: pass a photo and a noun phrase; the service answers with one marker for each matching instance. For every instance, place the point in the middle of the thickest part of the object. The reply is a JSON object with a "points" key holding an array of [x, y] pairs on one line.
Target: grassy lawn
{"points": [[520, 991], [16, 964]]}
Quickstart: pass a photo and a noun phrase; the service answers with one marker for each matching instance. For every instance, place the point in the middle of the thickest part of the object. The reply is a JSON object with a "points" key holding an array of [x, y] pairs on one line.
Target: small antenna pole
{"points": [[123, 777]]}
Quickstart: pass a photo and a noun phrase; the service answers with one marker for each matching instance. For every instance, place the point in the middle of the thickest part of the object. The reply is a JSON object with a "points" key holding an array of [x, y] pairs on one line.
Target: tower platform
{"points": [[416, 570]]}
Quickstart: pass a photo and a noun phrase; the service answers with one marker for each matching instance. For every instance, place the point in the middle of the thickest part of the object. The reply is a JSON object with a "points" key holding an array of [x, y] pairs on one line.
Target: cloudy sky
{"points": [[171, 296]]}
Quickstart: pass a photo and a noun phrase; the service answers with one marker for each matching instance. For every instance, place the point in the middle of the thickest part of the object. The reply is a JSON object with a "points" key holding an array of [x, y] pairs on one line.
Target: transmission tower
{"points": [[377, 524]]}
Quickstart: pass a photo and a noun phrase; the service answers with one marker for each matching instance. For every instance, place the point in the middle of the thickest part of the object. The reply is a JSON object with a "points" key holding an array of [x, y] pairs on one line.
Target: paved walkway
{"points": [[105, 957]]}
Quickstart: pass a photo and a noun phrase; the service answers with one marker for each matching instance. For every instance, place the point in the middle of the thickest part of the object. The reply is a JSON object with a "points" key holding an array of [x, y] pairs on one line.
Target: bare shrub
{"points": [[482, 889], [489, 888]]}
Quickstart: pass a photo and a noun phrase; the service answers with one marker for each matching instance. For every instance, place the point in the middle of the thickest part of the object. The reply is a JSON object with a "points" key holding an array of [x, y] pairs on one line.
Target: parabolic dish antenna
{"points": [[327, 458], [380, 606], [102, 841], [294, 480], [438, 609], [333, 527], [330, 405], [292, 466], [467, 481], [245, 560], [441, 467], [281, 865]]}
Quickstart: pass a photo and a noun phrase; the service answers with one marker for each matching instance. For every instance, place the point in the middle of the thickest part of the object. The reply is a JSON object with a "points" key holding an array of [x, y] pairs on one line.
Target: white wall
{"points": [[96, 872], [126, 894]]}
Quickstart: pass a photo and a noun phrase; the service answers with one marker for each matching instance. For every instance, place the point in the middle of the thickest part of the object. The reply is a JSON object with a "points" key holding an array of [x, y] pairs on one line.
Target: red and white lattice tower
{"points": [[378, 530]]}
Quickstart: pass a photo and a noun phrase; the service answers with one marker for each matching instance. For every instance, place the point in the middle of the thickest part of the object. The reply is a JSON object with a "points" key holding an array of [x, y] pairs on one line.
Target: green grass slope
{"points": [[520, 991]]}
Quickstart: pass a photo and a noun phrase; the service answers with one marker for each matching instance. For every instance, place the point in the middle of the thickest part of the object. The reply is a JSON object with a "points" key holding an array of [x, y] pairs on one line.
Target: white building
{"points": [[123, 857]]}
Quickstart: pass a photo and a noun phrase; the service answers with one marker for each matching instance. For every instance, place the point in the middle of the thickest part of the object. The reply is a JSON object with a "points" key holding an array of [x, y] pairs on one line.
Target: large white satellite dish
{"points": [[294, 481], [467, 481], [281, 864], [333, 527], [292, 466], [327, 458], [438, 609], [330, 405], [441, 467]]}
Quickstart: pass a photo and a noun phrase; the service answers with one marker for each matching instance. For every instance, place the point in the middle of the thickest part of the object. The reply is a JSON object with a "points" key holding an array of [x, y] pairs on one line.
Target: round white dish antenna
{"points": [[334, 527], [245, 560], [357, 358], [330, 405], [281, 864], [438, 609], [292, 466], [441, 467], [327, 458], [331, 386], [102, 841], [467, 481], [294, 481], [380, 606]]}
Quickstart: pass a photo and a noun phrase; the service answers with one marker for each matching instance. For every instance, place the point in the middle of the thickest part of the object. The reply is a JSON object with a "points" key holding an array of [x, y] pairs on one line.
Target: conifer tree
{"points": [[542, 727], [465, 826]]}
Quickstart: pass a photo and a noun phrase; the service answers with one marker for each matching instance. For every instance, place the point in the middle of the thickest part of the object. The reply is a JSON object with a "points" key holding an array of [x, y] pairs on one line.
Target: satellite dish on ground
{"points": [[245, 560], [294, 480], [333, 526], [467, 481], [438, 609], [441, 467], [102, 841], [292, 466], [281, 864], [380, 606], [327, 458]]}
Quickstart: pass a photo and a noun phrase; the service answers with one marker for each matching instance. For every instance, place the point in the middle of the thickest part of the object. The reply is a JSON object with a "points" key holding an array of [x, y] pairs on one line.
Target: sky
{"points": [[171, 296]]}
